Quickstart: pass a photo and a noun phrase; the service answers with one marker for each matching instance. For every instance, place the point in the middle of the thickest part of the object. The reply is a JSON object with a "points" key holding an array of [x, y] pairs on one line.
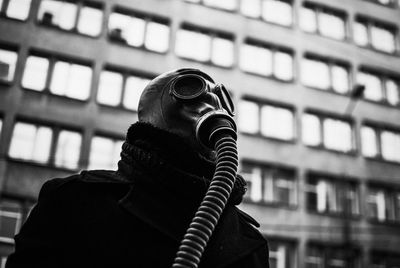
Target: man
{"points": [[137, 216]]}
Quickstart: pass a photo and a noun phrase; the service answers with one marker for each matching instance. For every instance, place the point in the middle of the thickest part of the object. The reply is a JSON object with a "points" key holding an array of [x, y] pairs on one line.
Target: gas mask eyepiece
{"points": [[189, 87]]}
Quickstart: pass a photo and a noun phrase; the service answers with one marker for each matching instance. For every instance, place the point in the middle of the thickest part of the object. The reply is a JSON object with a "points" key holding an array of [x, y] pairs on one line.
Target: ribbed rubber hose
{"points": [[207, 216]]}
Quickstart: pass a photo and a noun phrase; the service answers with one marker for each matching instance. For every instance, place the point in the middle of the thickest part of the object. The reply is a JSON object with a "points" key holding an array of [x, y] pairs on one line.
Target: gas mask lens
{"points": [[190, 86]]}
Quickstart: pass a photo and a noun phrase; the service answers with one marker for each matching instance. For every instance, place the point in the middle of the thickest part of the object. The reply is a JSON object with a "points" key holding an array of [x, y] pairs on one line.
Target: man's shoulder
{"points": [[79, 181]]}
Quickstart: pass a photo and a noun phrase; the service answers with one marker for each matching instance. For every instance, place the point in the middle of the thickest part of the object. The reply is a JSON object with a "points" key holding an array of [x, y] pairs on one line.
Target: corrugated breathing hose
{"points": [[207, 216]]}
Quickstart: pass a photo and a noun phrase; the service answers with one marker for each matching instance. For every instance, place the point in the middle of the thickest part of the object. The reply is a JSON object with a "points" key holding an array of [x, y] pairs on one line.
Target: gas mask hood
{"points": [[185, 102]]}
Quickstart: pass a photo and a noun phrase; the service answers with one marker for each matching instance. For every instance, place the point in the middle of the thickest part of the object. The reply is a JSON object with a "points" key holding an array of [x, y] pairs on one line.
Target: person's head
{"points": [[180, 101]]}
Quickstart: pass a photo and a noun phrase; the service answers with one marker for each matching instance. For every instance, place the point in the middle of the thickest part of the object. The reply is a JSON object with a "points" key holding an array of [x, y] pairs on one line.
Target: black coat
{"points": [[133, 217]]}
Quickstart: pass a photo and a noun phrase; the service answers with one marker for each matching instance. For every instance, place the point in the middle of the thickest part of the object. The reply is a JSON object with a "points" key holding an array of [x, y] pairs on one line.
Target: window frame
{"points": [[291, 174], [52, 60], [56, 128], [260, 103], [125, 73], [147, 18], [323, 116], [201, 2], [327, 248], [4, 7], [390, 191], [383, 77], [369, 22], [110, 136], [212, 34], [318, 9], [273, 48], [261, 16], [80, 4], [340, 183], [378, 128], [16, 49], [330, 63]]}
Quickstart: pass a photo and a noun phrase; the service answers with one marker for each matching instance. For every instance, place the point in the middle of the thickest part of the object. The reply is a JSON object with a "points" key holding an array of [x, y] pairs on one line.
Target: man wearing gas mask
{"points": [[172, 201]]}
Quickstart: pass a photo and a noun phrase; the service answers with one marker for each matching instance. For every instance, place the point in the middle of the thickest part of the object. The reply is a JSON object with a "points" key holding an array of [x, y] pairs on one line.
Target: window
{"points": [[85, 18], [205, 46], [324, 256], [389, 3], [230, 5], [330, 133], [281, 253], [331, 195], [380, 87], [104, 153], [274, 11], [270, 184], [376, 35], [68, 78], [381, 143], [15, 9], [267, 120], [266, 60], [8, 62], [32, 142], [122, 89], [139, 30], [380, 259], [323, 21], [383, 203], [1, 125], [10, 220], [325, 74]]}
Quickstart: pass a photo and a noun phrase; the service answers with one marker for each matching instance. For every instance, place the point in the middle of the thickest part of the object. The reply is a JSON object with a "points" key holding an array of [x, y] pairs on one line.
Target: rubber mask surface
{"points": [[178, 101]]}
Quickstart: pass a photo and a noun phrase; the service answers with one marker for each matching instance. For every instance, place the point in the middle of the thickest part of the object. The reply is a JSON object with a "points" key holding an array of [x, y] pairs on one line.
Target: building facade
{"points": [[322, 161]]}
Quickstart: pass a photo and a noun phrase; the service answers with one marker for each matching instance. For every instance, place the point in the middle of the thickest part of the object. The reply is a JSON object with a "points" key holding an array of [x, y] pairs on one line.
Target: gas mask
{"points": [[188, 103]]}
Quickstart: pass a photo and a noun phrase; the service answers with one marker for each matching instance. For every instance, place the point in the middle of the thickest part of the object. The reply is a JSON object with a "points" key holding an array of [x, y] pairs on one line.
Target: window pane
{"points": [[71, 80], [337, 135], [308, 20], [360, 34], [57, 13], [253, 178], [248, 117], [251, 8], [373, 86], [18, 9], [256, 59], [110, 88], [311, 130], [8, 61], [90, 21], [30, 142], [315, 73], [392, 92], [382, 39], [276, 11], [331, 25], [68, 149], [340, 79], [10, 222], [35, 73], [277, 122], [222, 52], [224, 4], [104, 153], [390, 145], [193, 45], [283, 66], [157, 37], [131, 29], [133, 90], [376, 204], [368, 142]]}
